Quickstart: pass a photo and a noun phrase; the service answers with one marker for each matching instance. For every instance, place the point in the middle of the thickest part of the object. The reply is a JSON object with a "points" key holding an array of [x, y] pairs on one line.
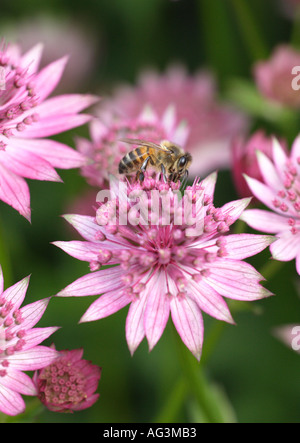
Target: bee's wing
{"points": [[135, 141]]}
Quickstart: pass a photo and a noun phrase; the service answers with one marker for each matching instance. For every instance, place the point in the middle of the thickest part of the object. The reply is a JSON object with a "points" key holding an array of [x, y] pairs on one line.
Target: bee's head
{"points": [[181, 166]]}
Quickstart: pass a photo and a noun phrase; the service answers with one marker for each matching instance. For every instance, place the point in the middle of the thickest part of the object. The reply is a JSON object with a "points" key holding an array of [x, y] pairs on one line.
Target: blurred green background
{"points": [[258, 375]]}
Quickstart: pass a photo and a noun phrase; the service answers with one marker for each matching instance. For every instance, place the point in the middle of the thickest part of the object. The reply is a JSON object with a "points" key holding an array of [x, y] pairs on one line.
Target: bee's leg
{"points": [[163, 171], [184, 179], [140, 174]]}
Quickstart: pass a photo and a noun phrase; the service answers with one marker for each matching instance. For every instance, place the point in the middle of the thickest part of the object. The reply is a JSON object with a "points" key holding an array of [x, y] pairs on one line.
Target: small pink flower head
{"points": [[69, 383], [279, 191], [244, 159], [274, 77], [175, 257], [106, 148], [19, 350], [28, 117], [212, 124]]}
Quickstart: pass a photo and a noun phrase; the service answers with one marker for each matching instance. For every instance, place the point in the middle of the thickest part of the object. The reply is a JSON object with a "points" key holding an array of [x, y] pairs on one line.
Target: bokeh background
{"points": [[110, 42]]}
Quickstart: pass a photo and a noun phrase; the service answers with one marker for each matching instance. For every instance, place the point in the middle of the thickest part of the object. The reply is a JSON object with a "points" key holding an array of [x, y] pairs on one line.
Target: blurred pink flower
{"points": [[274, 77], [244, 159], [19, 350], [60, 35], [27, 116], [69, 383], [168, 265], [105, 150], [212, 124], [279, 191]]}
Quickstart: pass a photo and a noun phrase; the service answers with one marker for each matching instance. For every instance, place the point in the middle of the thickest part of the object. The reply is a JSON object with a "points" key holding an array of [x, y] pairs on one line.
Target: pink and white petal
{"points": [[33, 359], [36, 336], [209, 184], [57, 154], [48, 78], [188, 321], [209, 301], [54, 125], [15, 192], [265, 221], [85, 251], [181, 134], [95, 283], [235, 208], [85, 225], [295, 150], [31, 59], [262, 192], [106, 305], [286, 247], [279, 157], [11, 402], [268, 171], [32, 313], [209, 156], [65, 104], [16, 293], [19, 382], [240, 246], [236, 280], [28, 165], [157, 309], [134, 328]]}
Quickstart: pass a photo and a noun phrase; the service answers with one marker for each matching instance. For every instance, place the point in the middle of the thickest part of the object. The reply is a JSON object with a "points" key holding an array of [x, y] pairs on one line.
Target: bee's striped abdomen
{"points": [[132, 160]]}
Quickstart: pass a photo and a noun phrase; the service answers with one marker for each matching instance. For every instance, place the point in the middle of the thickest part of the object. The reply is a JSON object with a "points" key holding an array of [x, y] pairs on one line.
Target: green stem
{"points": [[198, 384], [249, 29], [172, 407]]}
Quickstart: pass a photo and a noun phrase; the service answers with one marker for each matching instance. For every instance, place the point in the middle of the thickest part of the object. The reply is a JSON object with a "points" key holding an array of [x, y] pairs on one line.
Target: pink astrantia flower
{"points": [[27, 117], [244, 159], [212, 123], [19, 350], [69, 383], [274, 77], [279, 191], [169, 264], [105, 150]]}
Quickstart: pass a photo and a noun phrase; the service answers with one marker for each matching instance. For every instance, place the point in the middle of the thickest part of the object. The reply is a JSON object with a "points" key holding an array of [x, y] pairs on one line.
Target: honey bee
{"points": [[167, 158]]}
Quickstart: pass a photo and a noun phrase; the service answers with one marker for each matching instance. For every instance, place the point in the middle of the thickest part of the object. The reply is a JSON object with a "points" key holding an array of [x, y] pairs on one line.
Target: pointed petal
{"points": [[240, 246], [237, 280], [268, 171], [31, 314], [262, 192], [48, 78], [31, 59], [65, 104], [157, 309], [16, 293], [209, 301], [19, 382], [209, 184], [286, 247], [57, 154], [36, 336], [135, 324], [14, 191], [55, 125], [33, 359], [28, 165], [188, 321], [85, 251], [11, 403], [265, 221], [106, 305], [85, 225], [235, 208], [95, 283], [279, 157], [295, 151]]}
